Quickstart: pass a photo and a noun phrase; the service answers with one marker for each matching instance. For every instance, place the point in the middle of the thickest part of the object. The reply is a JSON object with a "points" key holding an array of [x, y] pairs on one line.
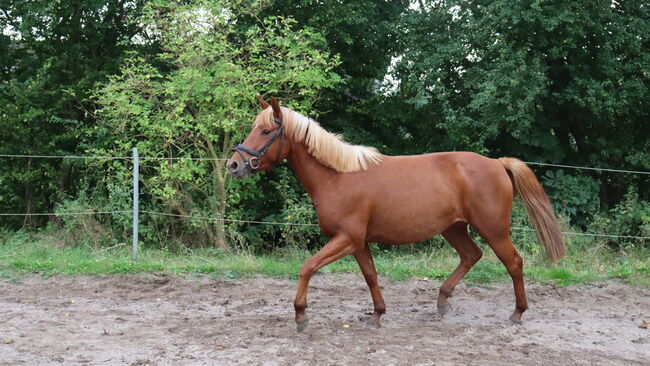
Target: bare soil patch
{"points": [[166, 320]]}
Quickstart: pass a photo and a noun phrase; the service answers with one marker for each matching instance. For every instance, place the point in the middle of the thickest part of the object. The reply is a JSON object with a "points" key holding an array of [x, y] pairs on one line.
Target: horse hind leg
{"points": [[469, 253], [508, 255]]}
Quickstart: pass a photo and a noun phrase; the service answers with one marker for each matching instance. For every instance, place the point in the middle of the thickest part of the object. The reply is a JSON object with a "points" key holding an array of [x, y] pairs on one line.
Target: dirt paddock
{"points": [[166, 320]]}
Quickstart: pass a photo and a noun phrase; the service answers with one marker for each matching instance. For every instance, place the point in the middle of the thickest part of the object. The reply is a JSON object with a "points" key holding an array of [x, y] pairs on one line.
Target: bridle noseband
{"points": [[254, 162]]}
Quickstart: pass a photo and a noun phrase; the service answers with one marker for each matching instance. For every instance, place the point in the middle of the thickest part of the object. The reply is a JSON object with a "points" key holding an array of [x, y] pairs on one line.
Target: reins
{"points": [[254, 162]]}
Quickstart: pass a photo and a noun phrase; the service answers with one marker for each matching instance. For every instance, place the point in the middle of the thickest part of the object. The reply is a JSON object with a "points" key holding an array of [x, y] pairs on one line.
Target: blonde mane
{"points": [[328, 148]]}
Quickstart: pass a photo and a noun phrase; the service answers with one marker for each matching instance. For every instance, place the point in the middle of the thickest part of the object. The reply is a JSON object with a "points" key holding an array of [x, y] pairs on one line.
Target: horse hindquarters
{"points": [[495, 229]]}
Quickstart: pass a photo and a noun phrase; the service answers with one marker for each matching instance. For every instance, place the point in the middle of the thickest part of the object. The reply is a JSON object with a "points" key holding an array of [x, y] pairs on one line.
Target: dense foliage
{"points": [[52, 54], [547, 81], [194, 99], [553, 81]]}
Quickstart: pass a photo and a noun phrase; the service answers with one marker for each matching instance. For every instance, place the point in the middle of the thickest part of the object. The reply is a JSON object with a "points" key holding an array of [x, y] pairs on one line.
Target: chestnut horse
{"points": [[362, 196]]}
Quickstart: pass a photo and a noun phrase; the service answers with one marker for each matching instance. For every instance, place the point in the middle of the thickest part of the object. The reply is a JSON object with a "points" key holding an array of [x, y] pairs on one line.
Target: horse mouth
{"points": [[240, 174]]}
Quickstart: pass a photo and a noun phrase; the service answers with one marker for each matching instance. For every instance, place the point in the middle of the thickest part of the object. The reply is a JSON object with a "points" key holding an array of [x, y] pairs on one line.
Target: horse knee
{"points": [[308, 269], [475, 257]]}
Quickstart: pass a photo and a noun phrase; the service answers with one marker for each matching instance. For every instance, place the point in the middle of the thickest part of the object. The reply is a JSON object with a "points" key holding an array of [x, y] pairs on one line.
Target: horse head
{"points": [[265, 144]]}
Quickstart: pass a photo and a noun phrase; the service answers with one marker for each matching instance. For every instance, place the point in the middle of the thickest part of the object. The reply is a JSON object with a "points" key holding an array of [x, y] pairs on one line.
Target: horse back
{"points": [[406, 199]]}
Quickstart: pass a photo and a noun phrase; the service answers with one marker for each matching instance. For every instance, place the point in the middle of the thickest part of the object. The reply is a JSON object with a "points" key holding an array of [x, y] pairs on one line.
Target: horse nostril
{"points": [[234, 166]]}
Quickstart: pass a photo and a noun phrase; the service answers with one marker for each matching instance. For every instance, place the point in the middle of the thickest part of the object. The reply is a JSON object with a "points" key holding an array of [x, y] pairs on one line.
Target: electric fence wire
{"points": [[274, 222]]}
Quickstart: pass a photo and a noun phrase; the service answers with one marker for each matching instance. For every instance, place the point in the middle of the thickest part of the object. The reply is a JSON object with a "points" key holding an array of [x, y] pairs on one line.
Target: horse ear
{"points": [[277, 113], [263, 103]]}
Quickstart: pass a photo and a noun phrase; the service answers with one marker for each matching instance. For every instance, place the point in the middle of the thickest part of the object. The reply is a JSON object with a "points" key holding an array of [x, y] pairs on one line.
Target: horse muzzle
{"points": [[237, 169]]}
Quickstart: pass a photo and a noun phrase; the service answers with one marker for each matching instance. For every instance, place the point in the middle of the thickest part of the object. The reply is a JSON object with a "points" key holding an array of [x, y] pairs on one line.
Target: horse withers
{"points": [[362, 196]]}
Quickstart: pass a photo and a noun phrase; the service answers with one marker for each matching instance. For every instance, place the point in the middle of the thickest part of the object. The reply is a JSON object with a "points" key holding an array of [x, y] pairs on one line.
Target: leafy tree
{"points": [[197, 97], [364, 34], [51, 55], [545, 80]]}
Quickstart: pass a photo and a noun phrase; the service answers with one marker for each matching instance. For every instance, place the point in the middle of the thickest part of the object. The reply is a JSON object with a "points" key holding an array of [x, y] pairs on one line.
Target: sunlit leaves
{"points": [[196, 98]]}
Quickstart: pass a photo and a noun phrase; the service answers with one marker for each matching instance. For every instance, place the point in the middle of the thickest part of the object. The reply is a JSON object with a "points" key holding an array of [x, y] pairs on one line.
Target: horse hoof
{"points": [[302, 325], [372, 325], [516, 319], [442, 310]]}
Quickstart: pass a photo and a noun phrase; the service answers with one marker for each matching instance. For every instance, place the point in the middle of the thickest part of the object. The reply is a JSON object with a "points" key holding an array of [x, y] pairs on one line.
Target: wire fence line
{"points": [[105, 157], [65, 213], [586, 234], [98, 157], [589, 168], [212, 218], [182, 158], [224, 159], [209, 218]]}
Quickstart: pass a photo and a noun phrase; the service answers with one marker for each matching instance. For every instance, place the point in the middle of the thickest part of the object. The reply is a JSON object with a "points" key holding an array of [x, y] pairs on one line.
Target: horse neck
{"points": [[310, 172]]}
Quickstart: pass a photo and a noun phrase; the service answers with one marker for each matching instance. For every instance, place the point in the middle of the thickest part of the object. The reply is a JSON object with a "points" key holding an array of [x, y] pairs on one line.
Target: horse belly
{"points": [[405, 220]]}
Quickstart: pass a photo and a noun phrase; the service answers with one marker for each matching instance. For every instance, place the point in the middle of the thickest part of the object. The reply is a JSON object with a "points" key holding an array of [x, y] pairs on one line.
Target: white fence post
{"points": [[136, 195]]}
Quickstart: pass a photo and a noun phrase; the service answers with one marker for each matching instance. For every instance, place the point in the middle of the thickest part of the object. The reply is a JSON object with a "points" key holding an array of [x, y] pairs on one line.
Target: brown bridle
{"points": [[254, 162]]}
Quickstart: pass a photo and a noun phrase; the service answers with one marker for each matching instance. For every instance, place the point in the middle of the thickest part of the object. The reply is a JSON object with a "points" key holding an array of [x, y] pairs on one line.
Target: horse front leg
{"points": [[367, 265], [338, 247]]}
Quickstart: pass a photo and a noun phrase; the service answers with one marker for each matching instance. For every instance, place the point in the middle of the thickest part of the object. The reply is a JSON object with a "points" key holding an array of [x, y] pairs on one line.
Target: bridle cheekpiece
{"points": [[254, 162]]}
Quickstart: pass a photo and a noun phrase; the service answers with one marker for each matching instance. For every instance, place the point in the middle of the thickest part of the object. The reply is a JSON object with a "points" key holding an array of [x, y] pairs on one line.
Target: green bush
{"points": [[92, 230], [298, 209], [575, 196], [631, 217]]}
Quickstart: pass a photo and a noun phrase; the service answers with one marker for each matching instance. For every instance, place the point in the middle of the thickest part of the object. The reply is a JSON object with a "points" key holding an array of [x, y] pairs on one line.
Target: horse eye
{"points": [[266, 132]]}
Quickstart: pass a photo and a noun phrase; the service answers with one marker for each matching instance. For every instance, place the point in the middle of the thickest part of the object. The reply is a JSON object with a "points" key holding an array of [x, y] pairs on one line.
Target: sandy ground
{"points": [[166, 320]]}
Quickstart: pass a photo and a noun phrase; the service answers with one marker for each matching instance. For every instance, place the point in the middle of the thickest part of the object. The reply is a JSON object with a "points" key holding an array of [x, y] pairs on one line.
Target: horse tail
{"points": [[538, 208]]}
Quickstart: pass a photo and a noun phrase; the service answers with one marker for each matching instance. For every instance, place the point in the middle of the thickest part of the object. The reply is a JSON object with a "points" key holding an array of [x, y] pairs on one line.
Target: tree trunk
{"points": [[220, 193], [64, 179]]}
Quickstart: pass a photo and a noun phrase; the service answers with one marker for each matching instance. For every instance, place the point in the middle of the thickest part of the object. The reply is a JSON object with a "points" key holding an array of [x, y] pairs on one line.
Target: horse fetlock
{"points": [[301, 316], [302, 320], [443, 298], [445, 292], [299, 307], [516, 315]]}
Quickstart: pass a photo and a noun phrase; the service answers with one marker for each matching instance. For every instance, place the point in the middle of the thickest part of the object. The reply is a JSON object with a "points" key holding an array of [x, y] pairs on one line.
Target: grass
{"points": [[22, 254]]}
